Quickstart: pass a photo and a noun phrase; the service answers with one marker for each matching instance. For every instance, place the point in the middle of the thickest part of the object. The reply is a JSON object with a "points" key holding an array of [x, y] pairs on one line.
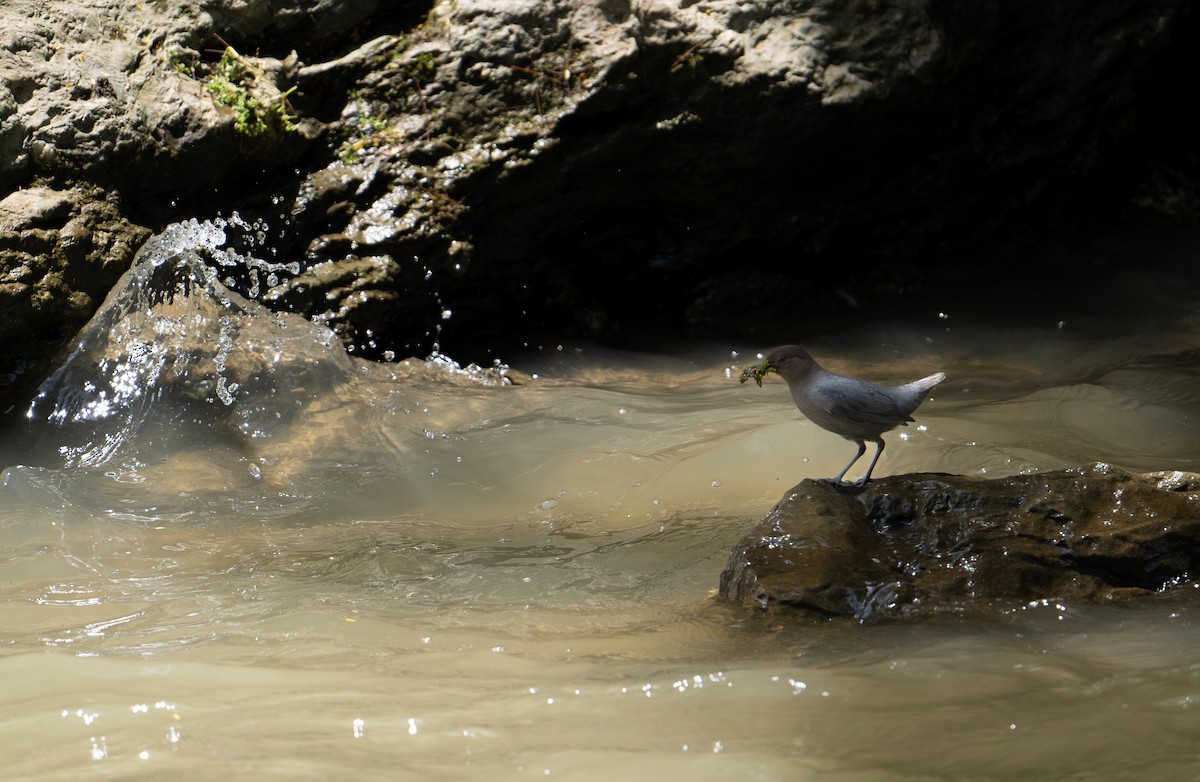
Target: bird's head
{"points": [[791, 362]]}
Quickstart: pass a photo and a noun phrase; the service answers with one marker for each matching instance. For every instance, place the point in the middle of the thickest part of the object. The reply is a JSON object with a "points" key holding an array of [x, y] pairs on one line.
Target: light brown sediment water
{"points": [[406, 574]]}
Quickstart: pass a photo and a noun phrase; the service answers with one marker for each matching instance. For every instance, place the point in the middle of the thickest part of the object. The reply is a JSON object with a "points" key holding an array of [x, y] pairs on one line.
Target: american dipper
{"points": [[853, 408]]}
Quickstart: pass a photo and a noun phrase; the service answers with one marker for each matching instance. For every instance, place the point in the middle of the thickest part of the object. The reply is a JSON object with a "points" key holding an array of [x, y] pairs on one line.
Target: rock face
{"points": [[931, 542], [103, 92], [494, 169], [596, 166], [60, 252]]}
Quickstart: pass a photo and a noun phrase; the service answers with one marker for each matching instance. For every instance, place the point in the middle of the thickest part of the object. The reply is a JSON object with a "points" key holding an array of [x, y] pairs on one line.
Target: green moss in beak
{"points": [[758, 372]]}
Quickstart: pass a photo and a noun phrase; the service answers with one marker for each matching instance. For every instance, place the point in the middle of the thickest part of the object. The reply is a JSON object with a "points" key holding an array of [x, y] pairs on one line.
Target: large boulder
{"points": [[930, 542]]}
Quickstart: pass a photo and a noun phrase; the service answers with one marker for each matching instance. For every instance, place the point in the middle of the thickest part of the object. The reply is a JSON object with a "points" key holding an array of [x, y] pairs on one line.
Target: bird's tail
{"points": [[923, 385]]}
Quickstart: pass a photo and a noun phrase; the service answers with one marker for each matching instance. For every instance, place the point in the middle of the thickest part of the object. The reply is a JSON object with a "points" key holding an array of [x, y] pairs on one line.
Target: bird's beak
{"points": [[758, 372]]}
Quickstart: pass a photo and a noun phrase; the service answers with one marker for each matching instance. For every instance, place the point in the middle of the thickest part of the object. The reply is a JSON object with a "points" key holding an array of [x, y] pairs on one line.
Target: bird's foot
{"points": [[844, 486]]}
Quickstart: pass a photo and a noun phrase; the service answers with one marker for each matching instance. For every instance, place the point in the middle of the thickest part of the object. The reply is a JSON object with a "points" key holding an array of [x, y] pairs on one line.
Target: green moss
{"points": [[757, 373], [364, 132], [232, 83], [424, 64], [182, 62]]}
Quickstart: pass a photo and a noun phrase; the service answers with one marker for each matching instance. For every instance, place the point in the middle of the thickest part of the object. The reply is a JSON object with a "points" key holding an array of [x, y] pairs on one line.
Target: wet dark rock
{"points": [[919, 543], [360, 296]]}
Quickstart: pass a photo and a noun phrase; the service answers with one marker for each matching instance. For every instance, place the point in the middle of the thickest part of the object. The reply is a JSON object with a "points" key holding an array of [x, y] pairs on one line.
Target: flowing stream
{"points": [[231, 550]]}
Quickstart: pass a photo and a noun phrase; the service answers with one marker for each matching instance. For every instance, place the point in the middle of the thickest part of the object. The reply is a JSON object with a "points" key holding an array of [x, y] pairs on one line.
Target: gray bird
{"points": [[853, 408]]}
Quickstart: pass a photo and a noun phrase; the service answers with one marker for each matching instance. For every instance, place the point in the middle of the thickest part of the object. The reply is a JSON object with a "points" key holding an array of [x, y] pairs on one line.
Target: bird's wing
{"points": [[862, 402]]}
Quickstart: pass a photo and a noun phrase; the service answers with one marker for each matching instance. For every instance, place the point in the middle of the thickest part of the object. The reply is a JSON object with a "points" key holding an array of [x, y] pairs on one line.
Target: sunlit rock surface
{"points": [[934, 542], [103, 92]]}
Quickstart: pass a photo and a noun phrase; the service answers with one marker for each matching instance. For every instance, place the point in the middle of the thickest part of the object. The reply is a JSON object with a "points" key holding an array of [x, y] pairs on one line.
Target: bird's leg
{"points": [[862, 448], [878, 441]]}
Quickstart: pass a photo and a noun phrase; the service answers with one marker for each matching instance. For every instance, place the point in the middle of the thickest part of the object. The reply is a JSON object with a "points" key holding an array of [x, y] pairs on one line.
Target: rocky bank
{"points": [[494, 169]]}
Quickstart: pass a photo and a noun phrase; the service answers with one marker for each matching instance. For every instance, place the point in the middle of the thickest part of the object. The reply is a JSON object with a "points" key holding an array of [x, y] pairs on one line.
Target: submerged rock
{"points": [[934, 542]]}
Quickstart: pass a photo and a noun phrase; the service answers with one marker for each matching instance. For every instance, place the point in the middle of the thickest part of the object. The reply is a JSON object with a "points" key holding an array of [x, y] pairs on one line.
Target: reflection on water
{"points": [[229, 549]]}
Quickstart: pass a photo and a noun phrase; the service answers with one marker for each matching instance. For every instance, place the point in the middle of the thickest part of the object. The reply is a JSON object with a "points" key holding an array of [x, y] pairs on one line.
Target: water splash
{"points": [[173, 345], [495, 375]]}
